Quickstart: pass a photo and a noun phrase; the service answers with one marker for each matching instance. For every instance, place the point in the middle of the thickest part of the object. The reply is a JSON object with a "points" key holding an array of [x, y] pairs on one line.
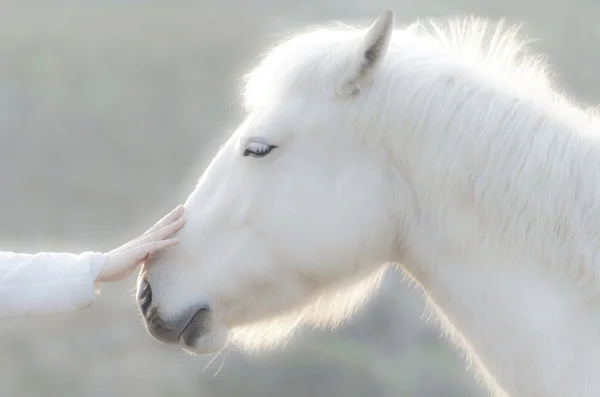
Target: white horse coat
{"points": [[445, 152]]}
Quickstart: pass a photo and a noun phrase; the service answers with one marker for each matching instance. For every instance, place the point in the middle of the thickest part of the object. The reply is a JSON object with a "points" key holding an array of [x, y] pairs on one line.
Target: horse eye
{"points": [[258, 149]]}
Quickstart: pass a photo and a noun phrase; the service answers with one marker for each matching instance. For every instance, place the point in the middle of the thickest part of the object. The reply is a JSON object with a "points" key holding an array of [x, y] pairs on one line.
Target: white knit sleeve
{"points": [[47, 282]]}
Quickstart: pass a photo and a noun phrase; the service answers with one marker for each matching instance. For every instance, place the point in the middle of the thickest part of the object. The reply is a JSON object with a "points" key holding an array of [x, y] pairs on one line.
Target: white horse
{"points": [[446, 152]]}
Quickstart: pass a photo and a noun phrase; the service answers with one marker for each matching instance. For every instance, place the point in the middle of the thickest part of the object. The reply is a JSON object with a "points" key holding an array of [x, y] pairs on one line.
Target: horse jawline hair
{"points": [[330, 309]]}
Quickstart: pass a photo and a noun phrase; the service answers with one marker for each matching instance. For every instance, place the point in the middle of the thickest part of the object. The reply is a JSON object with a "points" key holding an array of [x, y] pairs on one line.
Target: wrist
{"points": [[98, 261]]}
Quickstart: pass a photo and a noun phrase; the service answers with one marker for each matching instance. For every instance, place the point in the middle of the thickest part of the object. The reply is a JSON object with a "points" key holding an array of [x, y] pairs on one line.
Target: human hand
{"points": [[123, 260]]}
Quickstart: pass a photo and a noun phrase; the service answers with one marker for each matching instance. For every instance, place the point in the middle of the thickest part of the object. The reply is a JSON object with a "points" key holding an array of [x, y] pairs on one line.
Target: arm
{"points": [[48, 282]]}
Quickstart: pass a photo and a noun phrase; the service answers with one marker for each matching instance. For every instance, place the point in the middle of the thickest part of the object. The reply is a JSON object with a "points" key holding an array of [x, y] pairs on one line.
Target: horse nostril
{"points": [[144, 297]]}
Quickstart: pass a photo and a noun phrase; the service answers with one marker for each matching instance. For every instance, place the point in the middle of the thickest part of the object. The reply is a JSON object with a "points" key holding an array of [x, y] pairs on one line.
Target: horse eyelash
{"points": [[250, 151]]}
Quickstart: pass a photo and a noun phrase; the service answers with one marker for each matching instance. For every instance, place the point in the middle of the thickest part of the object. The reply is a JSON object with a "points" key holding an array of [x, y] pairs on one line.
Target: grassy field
{"points": [[108, 112]]}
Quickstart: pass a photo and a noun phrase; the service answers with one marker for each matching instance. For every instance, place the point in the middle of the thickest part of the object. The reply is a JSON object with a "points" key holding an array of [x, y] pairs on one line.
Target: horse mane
{"points": [[310, 55], [527, 148]]}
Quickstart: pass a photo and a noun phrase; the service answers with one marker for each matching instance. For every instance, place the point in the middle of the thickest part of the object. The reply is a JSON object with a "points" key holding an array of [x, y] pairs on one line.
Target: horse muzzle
{"points": [[195, 331]]}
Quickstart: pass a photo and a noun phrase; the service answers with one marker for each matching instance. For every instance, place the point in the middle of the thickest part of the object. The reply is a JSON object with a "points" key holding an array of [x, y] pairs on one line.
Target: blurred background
{"points": [[108, 112]]}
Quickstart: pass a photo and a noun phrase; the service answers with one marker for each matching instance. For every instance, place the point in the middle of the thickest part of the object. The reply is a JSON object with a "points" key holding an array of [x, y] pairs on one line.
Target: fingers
{"points": [[172, 216], [153, 247], [162, 229], [164, 232]]}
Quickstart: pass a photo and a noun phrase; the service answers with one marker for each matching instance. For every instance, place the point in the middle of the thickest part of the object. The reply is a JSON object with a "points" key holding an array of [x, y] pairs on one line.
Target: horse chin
{"points": [[203, 335]]}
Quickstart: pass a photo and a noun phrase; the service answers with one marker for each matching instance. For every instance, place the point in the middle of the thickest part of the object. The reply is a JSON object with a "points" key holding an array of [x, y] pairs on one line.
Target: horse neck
{"points": [[527, 332], [512, 170], [514, 286]]}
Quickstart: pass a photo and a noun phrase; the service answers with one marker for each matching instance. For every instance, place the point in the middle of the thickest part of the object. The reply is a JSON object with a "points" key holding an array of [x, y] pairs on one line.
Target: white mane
{"points": [[310, 58]]}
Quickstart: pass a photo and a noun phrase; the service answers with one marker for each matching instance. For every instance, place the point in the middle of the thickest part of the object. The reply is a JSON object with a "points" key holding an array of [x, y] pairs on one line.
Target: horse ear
{"points": [[371, 52]]}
